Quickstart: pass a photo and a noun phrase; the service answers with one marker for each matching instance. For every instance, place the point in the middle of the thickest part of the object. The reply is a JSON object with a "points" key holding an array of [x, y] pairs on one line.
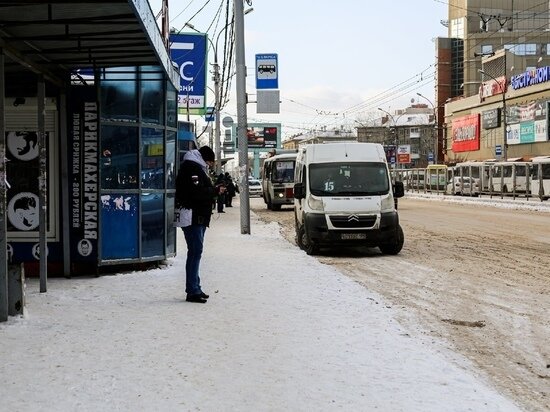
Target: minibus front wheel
{"points": [[394, 246], [305, 243]]}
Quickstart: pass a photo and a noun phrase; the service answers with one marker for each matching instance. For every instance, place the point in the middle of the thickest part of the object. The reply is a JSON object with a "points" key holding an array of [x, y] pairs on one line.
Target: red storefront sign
{"points": [[466, 133], [404, 158]]}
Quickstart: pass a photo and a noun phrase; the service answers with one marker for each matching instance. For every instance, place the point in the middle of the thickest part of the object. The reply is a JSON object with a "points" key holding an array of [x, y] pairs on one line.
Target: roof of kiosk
{"points": [[57, 36]]}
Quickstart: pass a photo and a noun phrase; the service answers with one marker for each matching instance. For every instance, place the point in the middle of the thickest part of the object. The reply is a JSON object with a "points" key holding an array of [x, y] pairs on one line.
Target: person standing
{"points": [[194, 196], [230, 191], [221, 189]]}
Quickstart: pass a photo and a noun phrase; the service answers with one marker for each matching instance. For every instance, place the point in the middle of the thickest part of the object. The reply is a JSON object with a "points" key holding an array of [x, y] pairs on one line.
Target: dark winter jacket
{"points": [[194, 188], [231, 188]]}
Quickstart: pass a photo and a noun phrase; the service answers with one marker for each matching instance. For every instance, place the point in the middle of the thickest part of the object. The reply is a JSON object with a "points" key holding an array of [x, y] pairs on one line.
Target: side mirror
{"points": [[398, 189], [299, 191]]}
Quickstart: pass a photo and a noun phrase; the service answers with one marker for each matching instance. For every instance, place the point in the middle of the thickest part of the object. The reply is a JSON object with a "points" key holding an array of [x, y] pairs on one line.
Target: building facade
{"points": [[89, 128], [489, 43], [408, 136]]}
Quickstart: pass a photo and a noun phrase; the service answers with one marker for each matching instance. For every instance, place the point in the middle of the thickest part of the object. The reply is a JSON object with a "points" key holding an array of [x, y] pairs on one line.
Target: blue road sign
{"points": [[210, 115], [267, 71], [430, 157], [188, 52], [498, 150]]}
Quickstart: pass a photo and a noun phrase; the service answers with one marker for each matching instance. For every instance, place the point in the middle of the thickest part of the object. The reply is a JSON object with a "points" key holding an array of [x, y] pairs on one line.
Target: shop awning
{"points": [[56, 37]]}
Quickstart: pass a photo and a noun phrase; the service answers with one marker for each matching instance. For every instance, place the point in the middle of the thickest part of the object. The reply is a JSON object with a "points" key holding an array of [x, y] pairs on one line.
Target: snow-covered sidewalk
{"points": [[280, 332]]}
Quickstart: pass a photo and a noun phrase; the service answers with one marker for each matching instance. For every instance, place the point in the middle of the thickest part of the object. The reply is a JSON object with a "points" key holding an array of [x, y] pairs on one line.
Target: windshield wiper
{"points": [[319, 192], [350, 193]]}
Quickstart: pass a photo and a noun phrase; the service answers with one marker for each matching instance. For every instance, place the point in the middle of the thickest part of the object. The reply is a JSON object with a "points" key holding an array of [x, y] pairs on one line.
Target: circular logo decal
{"points": [[10, 252], [23, 145], [23, 211], [36, 251], [85, 247]]}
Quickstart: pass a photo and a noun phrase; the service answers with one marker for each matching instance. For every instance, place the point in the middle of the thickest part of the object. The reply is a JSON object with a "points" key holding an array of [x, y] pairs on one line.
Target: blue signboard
{"points": [[498, 150], [267, 69], [119, 223], [189, 54], [210, 115]]}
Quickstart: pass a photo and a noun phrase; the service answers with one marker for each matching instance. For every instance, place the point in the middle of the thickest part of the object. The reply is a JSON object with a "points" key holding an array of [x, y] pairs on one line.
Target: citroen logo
{"points": [[352, 218]]}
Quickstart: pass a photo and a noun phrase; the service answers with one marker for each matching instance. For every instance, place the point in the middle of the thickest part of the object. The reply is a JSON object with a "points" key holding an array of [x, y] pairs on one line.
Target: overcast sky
{"points": [[333, 56]]}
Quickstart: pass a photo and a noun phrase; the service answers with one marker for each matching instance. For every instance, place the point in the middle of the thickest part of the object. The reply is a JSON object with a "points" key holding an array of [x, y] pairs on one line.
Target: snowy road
{"points": [[280, 332], [477, 277]]}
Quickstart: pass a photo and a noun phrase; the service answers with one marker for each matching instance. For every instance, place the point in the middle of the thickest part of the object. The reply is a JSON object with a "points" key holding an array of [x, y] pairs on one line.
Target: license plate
{"points": [[350, 236]]}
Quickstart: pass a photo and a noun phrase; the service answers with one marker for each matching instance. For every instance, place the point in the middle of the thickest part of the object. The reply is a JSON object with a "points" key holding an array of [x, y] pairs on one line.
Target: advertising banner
{"points": [[404, 154], [189, 53], [513, 134], [527, 123], [492, 88], [490, 119], [83, 173], [465, 133], [262, 135]]}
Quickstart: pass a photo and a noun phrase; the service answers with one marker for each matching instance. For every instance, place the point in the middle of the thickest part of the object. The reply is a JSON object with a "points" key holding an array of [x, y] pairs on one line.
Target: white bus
{"points": [[278, 180], [477, 174], [540, 181], [511, 177]]}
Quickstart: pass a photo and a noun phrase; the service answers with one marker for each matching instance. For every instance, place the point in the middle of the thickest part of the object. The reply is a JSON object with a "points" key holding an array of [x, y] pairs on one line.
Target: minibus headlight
{"points": [[387, 203], [315, 204]]}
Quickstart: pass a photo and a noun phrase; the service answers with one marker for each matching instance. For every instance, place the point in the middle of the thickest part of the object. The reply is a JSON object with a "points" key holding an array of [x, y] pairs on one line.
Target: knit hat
{"points": [[207, 154]]}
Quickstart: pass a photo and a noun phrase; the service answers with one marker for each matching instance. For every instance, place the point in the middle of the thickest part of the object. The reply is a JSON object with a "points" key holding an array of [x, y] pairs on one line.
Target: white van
{"points": [[343, 195]]}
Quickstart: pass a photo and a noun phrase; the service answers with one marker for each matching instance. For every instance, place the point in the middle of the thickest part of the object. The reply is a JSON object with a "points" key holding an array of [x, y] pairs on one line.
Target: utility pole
{"points": [[435, 131], [242, 121], [217, 104], [396, 137], [502, 87], [4, 304]]}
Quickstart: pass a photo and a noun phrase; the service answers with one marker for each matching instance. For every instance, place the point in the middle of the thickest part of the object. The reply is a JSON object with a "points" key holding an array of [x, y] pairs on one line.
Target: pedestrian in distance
{"points": [[231, 190], [221, 190], [194, 196]]}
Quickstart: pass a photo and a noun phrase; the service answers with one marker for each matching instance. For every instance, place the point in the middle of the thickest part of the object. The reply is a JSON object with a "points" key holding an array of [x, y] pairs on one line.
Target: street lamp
{"points": [[435, 131], [502, 86], [396, 138], [217, 100]]}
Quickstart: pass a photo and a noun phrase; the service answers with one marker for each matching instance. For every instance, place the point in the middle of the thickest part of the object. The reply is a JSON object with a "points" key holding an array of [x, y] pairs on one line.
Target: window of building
{"points": [[522, 49], [152, 95], [119, 94], [457, 28], [486, 48], [152, 158], [119, 156]]}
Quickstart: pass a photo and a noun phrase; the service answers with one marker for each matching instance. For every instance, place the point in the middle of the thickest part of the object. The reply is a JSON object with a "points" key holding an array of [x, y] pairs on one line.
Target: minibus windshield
{"points": [[349, 179]]}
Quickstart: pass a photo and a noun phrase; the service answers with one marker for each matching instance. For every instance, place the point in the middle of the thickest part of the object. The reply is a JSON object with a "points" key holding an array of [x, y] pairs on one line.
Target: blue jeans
{"points": [[194, 237]]}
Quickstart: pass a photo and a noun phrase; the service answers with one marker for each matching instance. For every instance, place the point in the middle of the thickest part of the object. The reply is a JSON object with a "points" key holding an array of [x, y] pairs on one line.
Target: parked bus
{"points": [[278, 180], [540, 181], [470, 178], [415, 179], [510, 177], [436, 178]]}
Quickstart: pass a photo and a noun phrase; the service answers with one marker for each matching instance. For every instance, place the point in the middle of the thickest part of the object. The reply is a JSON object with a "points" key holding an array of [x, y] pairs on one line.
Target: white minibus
{"points": [[343, 195]]}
